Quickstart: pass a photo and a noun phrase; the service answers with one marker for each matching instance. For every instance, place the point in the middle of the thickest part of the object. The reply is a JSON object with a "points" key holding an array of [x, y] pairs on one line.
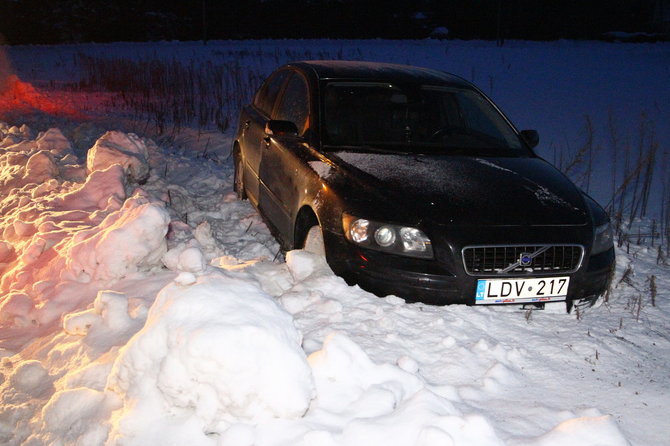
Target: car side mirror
{"points": [[531, 137], [281, 128]]}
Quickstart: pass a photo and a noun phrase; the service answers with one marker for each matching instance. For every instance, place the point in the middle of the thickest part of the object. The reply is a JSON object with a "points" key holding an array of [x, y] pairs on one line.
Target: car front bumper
{"points": [[438, 283]]}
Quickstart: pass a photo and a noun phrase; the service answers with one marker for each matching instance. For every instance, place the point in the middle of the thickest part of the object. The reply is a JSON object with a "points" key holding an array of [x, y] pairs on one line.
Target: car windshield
{"points": [[378, 116]]}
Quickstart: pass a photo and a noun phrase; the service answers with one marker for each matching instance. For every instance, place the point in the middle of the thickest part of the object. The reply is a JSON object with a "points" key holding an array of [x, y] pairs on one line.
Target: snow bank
{"points": [[60, 225], [213, 352], [134, 316]]}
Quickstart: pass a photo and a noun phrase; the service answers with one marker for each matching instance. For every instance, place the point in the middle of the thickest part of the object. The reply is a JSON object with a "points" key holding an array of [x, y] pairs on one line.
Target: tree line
{"points": [[57, 21]]}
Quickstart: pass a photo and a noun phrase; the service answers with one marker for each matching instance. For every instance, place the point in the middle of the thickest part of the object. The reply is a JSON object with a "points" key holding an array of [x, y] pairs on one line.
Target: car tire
{"points": [[314, 241], [238, 185]]}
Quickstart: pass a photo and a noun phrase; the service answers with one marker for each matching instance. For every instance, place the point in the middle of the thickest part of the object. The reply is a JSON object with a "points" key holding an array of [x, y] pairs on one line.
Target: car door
{"points": [[283, 168], [253, 122]]}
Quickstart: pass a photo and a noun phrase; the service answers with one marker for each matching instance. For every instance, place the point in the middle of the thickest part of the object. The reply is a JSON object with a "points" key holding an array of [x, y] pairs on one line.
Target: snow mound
{"points": [[55, 142], [56, 230], [115, 147], [76, 416], [31, 378], [215, 351], [587, 430], [126, 241], [384, 404], [108, 318]]}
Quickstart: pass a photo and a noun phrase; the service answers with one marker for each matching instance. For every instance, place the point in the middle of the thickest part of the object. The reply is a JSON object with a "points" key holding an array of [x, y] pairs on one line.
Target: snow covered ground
{"points": [[141, 303]]}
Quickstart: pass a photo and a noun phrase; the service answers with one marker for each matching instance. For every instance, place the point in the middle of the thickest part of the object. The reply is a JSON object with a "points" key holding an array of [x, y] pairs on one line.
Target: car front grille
{"points": [[507, 260]]}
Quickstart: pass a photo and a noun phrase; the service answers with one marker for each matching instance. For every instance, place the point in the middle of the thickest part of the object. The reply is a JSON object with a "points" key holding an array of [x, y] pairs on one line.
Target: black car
{"points": [[417, 185]]}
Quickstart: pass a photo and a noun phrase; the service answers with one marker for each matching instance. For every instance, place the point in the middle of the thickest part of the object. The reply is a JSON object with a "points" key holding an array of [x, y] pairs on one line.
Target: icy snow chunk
{"points": [[17, 309], [210, 247], [128, 240], [218, 350], [41, 167], [408, 364], [92, 375], [303, 264], [127, 150], [185, 257], [26, 131], [186, 279], [274, 278], [110, 309], [78, 324], [44, 188], [348, 380], [23, 229], [101, 188], [77, 416], [192, 260], [54, 141], [10, 140], [31, 377], [6, 250], [295, 301]]}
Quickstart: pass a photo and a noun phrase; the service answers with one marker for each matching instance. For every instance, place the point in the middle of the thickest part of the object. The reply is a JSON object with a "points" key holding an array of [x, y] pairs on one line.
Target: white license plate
{"points": [[502, 291]]}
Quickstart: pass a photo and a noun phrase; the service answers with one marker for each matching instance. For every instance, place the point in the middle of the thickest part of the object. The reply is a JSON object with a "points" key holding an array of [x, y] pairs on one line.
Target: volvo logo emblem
{"points": [[525, 259]]}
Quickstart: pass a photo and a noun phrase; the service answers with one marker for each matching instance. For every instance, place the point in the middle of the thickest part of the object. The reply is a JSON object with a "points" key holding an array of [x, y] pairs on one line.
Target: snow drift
{"points": [[140, 304]]}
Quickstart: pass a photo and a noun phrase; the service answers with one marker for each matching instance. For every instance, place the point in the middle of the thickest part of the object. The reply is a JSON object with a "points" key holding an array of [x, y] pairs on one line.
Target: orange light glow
{"points": [[18, 96]]}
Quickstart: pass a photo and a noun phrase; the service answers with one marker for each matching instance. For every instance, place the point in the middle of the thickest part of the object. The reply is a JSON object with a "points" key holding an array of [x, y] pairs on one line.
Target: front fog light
{"points": [[385, 236], [359, 230]]}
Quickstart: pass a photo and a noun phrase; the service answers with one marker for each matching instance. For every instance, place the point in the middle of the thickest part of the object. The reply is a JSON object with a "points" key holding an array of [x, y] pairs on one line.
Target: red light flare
{"points": [[17, 96]]}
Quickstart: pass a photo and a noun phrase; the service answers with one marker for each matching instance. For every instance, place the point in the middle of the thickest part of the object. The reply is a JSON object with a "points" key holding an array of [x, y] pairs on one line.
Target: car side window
{"points": [[267, 94], [294, 104]]}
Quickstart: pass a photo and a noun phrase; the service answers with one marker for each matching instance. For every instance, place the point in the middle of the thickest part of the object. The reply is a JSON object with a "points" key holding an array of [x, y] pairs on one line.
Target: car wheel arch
{"points": [[305, 219]]}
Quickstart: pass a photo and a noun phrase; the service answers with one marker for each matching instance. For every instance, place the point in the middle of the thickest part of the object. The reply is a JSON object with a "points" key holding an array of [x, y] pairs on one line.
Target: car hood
{"points": [[496, 191]]}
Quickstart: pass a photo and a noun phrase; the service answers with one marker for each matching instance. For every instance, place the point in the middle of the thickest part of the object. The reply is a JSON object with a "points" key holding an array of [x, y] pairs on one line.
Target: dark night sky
{"points": [[56, 21]]}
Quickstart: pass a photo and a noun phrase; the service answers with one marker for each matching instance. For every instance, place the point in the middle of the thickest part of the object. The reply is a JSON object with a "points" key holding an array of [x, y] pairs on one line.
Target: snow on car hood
{"points": [[463, 190]]}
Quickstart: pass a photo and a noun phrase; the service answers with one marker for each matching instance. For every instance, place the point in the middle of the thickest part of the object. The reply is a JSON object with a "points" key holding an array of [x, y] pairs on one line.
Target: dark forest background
{"points": [[63, 21]]}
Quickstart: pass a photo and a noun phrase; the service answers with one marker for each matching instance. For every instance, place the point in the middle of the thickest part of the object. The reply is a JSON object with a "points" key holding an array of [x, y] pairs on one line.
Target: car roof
{"points": [[359, 70]]}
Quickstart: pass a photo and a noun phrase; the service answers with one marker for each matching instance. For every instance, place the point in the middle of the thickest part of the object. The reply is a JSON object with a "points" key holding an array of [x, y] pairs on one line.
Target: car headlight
{"points": [[396, 239], [603, 238]]}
